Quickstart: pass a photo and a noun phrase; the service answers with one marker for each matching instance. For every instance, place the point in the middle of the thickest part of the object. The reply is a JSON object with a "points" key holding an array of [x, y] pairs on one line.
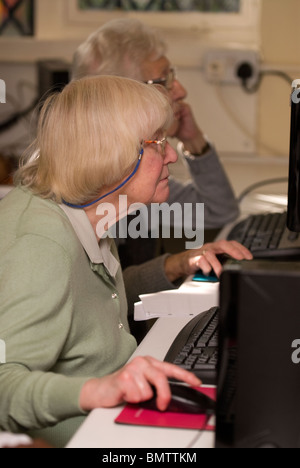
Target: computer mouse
{"points": [[200, 277], [184, 400]]}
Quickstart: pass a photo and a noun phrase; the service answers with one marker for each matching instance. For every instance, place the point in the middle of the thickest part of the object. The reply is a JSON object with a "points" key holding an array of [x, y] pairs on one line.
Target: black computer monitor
{"points": [[258, 402], [293, 220]]}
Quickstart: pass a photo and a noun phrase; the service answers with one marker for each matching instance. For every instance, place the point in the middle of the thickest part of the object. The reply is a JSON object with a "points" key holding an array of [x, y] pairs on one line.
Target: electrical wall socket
{"points": [[221, 65]]}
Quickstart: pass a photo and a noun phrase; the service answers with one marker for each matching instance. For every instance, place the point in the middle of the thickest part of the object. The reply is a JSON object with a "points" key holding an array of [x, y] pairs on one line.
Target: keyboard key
{"points": [[195, 347], [263, 235]]}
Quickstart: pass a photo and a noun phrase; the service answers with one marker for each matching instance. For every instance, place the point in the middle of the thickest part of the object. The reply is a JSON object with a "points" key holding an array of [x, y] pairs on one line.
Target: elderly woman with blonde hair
{"points": [[63, 310], [127, 47]]}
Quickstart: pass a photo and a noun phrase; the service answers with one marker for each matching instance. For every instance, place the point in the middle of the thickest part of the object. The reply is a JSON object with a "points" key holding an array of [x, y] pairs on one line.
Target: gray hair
{"points": [[117, 48]]}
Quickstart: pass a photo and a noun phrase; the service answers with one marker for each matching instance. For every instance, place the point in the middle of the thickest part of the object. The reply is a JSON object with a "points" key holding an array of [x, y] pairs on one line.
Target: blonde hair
{"points": [[118, 48], [89, 137]]}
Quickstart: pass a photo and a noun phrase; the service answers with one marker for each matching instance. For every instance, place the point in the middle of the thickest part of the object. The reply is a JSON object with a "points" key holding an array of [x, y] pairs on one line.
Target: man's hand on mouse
{"points": [[187, 263], [132, 384]]}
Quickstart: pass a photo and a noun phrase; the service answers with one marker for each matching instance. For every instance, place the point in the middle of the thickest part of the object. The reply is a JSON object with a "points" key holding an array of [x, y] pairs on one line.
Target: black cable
{"points": [[16, 117], [200, 432], [253, 89], [261, 184]]}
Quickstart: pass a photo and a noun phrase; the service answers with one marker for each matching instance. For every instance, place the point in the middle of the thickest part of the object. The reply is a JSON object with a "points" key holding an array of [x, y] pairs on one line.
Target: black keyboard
{"points": [[267, 236], [196, 347]]}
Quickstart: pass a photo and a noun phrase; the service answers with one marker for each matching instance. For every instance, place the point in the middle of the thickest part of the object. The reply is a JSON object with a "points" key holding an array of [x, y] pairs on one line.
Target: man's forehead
{"points": [[154, 69]]}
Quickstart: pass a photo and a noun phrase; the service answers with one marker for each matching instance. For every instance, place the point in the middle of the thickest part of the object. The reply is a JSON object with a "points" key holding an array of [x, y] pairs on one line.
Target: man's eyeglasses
{"points": [[167, 82]]}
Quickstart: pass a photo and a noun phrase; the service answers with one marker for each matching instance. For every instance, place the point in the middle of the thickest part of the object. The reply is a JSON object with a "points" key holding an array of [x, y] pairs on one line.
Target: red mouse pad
{"points": [[134, 415]]}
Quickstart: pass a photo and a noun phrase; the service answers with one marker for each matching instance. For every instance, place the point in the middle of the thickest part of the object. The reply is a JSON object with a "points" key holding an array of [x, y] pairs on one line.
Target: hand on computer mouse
{"points": [[134, 383], [205, 259], [184, 400]]}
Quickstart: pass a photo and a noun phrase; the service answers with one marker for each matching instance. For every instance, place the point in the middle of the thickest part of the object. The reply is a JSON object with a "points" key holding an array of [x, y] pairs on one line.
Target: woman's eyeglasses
{"points": [[162, 143], [167, 82]]}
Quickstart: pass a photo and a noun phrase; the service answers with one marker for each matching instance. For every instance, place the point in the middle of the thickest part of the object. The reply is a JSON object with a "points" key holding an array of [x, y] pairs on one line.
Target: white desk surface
{"points": [[99, 429]]}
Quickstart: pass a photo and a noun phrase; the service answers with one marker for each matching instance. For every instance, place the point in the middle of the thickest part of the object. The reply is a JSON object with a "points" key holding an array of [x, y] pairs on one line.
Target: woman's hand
{"points": [[205, 259], [132, 384]]}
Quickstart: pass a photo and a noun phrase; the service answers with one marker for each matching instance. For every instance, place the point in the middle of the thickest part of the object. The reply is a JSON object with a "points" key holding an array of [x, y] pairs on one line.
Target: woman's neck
{"points": [[106, 214]]}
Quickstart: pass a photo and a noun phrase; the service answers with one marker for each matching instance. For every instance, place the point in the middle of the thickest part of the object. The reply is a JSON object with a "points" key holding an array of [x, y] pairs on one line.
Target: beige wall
{"points": [[280, 41], [60, 30], [265, 115]]}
